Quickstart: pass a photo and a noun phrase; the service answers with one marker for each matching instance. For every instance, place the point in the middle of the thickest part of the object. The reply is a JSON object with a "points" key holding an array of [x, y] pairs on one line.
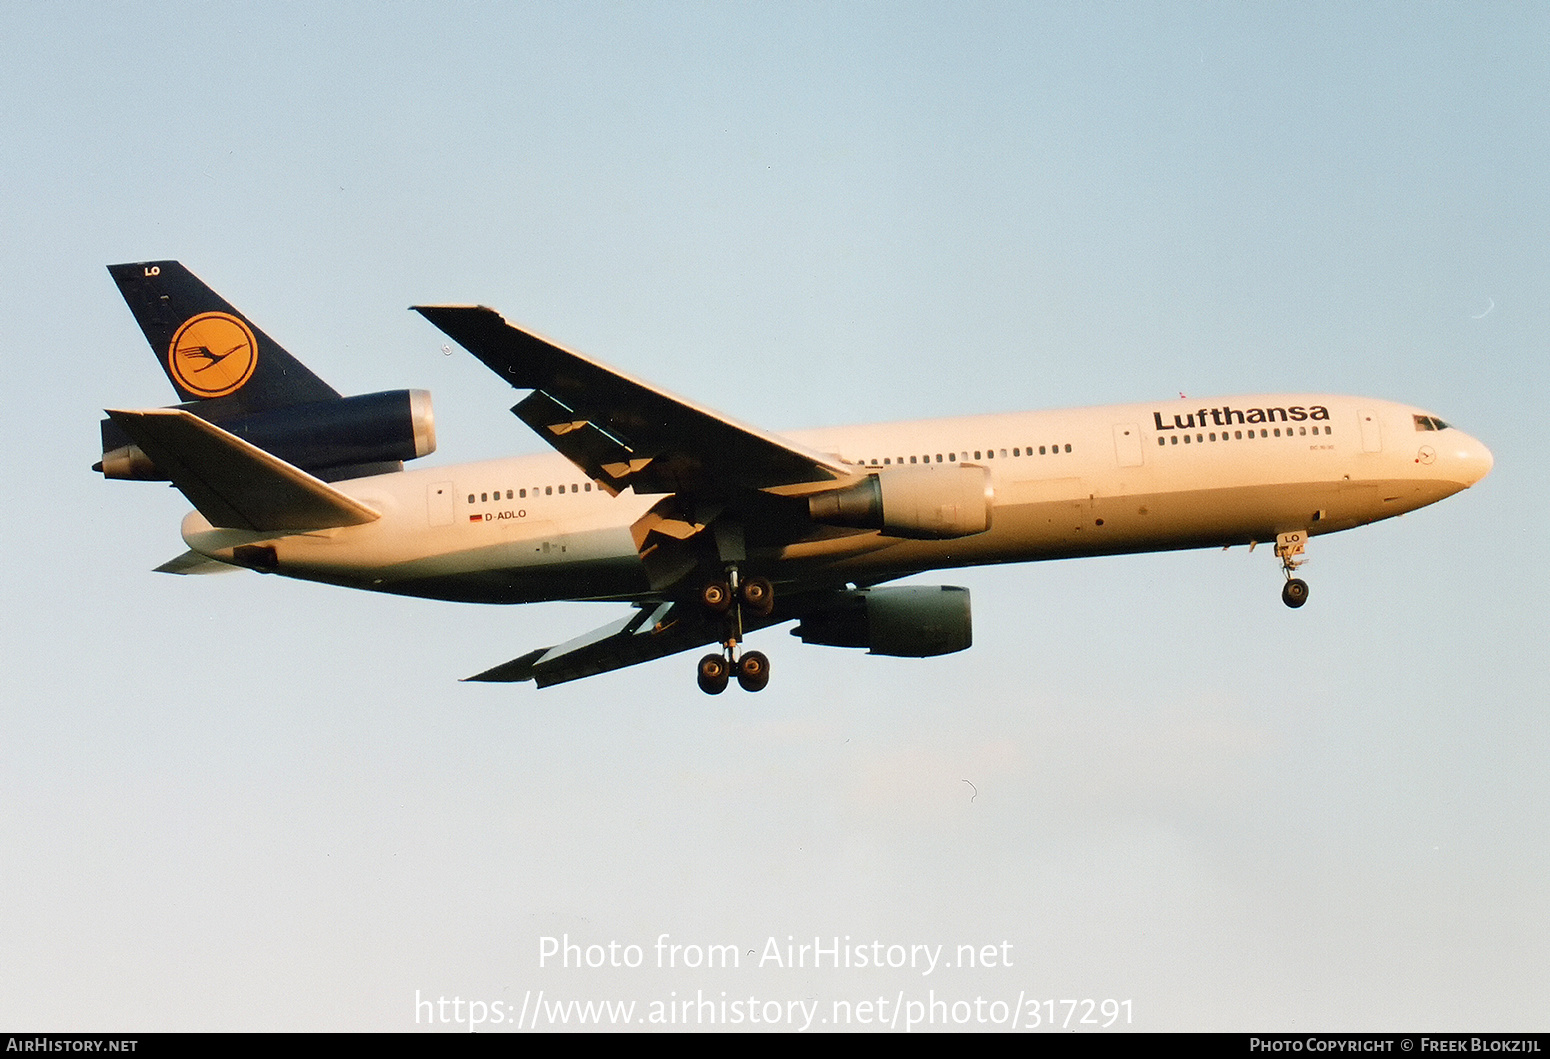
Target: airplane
{"points": [[709, 529]]}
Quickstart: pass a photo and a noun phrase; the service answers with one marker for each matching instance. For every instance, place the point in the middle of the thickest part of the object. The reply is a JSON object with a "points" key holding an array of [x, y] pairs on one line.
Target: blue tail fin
{"points": [[209, 350], [226, 371]]}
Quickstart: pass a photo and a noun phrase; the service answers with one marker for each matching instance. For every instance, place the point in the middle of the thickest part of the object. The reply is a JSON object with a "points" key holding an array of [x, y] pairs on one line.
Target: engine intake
{"points": [[906, 621], [921, 503]]}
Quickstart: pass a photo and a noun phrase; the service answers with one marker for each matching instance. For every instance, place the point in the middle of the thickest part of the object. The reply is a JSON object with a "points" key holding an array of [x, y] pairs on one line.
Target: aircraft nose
{"points": [[1470, 460]]}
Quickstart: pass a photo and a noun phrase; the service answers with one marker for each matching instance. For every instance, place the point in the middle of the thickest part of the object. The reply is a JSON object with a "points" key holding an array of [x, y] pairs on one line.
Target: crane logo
{"points": [[212, 355]]}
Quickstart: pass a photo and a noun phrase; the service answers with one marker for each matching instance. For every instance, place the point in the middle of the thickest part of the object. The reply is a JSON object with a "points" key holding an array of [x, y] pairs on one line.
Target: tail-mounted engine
{"points": [[365, 434]]}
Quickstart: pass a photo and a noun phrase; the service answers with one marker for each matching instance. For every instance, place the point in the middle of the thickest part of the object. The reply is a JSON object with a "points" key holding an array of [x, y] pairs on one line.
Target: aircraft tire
{"points": [[713, 674], [753, 671], [758, 595], [717, 597], [1295, 594]]}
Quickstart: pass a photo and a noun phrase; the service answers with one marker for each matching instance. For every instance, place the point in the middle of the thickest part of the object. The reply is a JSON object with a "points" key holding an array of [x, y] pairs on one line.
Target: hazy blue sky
{"points": [[246, 803]]}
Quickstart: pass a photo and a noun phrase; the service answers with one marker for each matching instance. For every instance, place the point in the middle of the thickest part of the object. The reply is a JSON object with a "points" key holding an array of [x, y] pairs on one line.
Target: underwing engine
{"points": [[921, 503], [907, 621]]}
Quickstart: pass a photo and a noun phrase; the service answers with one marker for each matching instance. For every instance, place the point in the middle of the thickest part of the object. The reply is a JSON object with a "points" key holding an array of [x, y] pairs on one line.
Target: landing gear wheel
{"points": [[753, 671], [758, 595], [713, 674], [717, 597], [1295, 594]]}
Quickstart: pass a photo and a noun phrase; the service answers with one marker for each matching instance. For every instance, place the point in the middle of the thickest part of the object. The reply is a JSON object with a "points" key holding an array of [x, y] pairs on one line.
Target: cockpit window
{"points": [[1429, 423]]}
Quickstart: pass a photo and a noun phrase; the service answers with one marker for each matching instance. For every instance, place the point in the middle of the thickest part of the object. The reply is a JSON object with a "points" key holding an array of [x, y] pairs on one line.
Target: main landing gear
{"points": [[715, 672], [730, 598], [1288, 547]]}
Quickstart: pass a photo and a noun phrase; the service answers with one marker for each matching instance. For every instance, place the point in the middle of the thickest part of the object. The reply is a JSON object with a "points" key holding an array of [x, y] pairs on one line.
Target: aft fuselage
{"points": [[1076, 482]]}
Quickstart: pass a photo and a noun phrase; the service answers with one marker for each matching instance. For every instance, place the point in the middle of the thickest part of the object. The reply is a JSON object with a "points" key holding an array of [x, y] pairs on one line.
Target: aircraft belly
{"points": [[542, 564], [1083, 525]]}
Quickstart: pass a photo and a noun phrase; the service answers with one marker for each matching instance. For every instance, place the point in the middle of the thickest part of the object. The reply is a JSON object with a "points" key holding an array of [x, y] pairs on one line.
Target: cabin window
{"points": [[548, 490], [977, 454], [470, 498]]}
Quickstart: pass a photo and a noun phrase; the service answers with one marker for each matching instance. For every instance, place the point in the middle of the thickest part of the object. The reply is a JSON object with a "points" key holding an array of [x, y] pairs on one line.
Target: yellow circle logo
{"points": [[213, 354]]}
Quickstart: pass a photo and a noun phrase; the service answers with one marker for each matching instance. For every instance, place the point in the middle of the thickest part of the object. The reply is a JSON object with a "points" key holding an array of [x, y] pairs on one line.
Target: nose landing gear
{"points": [[1288, 547]]}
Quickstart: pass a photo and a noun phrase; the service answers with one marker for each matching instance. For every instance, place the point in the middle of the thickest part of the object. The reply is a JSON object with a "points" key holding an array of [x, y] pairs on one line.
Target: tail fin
{"points": [[209, 350]]}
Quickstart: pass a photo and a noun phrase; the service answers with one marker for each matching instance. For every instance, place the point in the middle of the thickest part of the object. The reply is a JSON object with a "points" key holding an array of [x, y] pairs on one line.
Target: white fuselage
{"points": [[1087, 481]]}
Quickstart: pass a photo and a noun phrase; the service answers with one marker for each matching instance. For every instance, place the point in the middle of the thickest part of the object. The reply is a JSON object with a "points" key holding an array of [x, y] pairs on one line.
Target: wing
{"points": [[655, 630], [625, 432]]}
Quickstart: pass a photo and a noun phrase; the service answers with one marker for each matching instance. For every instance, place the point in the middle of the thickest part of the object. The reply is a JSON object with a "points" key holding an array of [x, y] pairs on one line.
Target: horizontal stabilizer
{"points": [[234, 484], [194, 563]]}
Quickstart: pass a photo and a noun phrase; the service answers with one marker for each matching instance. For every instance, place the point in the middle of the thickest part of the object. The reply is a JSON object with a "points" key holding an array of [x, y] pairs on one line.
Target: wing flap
{"points": [[235, 484], [602, 456]]}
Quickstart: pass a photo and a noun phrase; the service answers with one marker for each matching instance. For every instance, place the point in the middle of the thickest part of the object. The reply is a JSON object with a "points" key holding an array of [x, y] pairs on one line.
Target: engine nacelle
{"points": [[350, 432], [907, 621], [922, 503]]}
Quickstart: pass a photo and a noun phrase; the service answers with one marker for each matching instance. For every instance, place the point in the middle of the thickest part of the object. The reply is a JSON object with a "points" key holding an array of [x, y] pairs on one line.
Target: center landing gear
{"points": [[1288, 547], [730, 598]]}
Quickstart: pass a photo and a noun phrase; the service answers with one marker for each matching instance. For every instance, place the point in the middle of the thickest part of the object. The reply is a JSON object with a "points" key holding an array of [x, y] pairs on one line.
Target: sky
{"points": [[1150, 795]]}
